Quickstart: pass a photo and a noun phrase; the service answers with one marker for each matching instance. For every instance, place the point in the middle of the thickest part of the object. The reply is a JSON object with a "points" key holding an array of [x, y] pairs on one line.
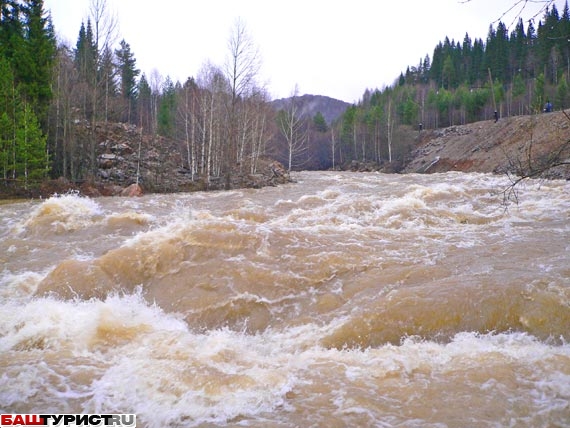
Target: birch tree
{"points": [[241, 70], [293, 128], [259, 130], [155, 88], [66, 90], [103, 36], [186, 114]]}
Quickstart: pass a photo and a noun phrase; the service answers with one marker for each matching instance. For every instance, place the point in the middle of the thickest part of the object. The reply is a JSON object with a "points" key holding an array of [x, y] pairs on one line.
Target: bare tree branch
{"points": [[530, 166], [519, 6]]}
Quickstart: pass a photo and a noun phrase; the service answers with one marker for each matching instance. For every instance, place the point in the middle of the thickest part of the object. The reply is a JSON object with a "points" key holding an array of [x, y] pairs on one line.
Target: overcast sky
{"points": [[326, 47]]}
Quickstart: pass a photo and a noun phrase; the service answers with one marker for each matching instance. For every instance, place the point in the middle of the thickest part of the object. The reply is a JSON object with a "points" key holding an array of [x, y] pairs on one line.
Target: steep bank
{"points": [[126, 157], [160, 164], [491, 146], [130, 163]]}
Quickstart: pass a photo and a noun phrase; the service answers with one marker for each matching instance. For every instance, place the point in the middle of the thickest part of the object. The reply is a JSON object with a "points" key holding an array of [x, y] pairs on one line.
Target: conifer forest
{"points": [[53, 96]]}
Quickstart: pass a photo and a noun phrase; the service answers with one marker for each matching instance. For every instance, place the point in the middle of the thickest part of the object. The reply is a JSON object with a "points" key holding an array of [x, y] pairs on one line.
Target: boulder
{"points": [[278, 173], [108, 160], [132, 191]]}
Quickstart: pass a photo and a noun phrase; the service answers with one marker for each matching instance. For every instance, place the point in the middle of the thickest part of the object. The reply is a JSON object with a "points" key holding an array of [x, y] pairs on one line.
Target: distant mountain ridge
{"points": [[310, 105]]}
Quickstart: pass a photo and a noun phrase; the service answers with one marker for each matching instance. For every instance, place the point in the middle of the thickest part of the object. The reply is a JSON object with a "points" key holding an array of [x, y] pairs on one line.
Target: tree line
{"points": [[56, 96], [509, 73], [27, 53], [219, 117]]}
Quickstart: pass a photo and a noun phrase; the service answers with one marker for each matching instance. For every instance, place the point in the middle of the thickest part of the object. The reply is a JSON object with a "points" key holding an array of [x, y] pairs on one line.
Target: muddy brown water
{"points": [[340, 300]]}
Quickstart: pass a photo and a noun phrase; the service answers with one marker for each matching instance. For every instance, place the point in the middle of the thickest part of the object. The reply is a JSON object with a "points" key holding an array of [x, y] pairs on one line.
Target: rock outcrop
{"points": [[492, 147], [130, 163]]}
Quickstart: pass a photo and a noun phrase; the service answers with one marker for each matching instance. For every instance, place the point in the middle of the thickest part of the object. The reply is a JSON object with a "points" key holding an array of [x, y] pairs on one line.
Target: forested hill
{"points": [[513, 72], [61, 105], [309, 105]]}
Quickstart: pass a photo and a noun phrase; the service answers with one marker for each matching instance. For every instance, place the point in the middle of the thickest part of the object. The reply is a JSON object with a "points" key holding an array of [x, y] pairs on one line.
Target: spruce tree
{"points": [[11, 29], [497, 53], [478, 70], [107, 79], [167, 109], [86, 53], [467, 59], [31, 158], [518, 90], [531, 64], [564, 37], [562, 99], [518, 46], [27, 55], [320, 122], [539, 99], [426, 65], [547, 49], [7, 120], [437, 64], [128, 73], [39, 52], [144, 98], [448, 74]]}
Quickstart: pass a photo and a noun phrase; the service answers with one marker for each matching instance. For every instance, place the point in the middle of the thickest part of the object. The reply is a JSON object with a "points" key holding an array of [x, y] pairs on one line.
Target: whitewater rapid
{"points": [[342, 299]]}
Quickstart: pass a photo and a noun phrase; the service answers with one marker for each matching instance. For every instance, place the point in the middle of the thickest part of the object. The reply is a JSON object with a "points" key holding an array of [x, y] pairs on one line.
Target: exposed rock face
{"points": [[491, 147], [126, 157]]}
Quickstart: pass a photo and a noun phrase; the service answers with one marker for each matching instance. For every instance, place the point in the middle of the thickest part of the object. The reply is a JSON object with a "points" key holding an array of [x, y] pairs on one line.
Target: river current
{"points": [[342, 299]]}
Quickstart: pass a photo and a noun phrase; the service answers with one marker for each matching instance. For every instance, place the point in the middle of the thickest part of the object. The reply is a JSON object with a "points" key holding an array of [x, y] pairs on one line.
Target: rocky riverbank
{"points": [[130, 163], [518, 142]]}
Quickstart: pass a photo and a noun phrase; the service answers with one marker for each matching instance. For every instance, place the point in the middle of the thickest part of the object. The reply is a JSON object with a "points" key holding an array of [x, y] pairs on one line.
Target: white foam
{"points": [[123, 354], [149, 363], [19, 285], [63, 213]]}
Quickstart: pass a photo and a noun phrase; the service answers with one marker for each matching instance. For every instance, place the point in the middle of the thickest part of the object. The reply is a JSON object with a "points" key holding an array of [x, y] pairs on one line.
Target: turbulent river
{"points": [[342, 299]]}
